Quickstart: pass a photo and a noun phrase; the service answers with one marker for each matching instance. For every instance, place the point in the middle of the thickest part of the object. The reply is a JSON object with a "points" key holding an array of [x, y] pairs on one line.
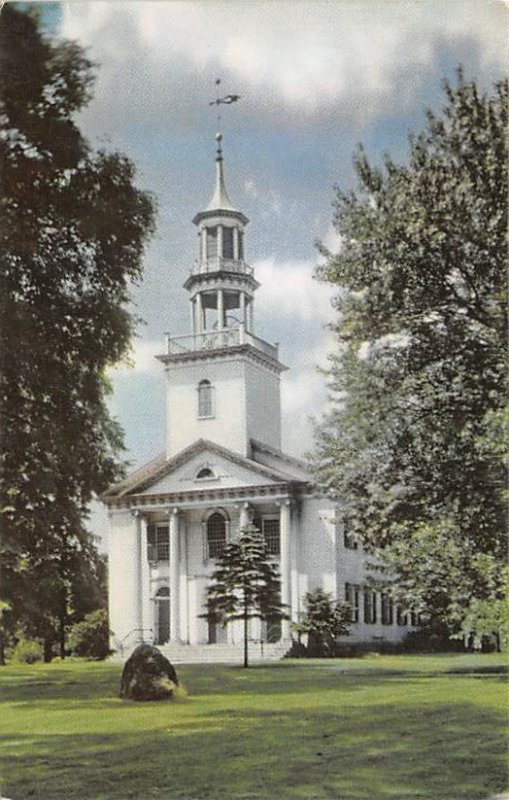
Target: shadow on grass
{"points": [[369, 752]]}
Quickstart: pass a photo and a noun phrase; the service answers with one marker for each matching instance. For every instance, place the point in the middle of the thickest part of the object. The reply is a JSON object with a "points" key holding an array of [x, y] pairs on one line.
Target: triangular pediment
{"points": [[203, 465]]}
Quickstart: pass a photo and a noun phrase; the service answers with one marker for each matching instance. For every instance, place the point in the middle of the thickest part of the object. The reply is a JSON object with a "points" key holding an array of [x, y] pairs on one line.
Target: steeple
{"points": [[223, 380], [220, 199], [220, 202], [221, 284]]}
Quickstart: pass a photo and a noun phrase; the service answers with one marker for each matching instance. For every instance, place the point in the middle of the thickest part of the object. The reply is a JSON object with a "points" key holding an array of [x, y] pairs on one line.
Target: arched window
{"points": [[204, 473], [205, 399], [216, 535]]}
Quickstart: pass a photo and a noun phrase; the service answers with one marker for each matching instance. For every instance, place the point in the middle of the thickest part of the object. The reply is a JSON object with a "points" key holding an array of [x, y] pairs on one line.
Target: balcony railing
{"points": [[217, 264], [216, 340]]}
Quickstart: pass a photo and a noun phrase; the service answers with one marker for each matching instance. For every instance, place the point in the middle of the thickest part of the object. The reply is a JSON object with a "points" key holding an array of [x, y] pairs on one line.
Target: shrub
{"points": [[91, 637], [323, 621], [27, 651]]}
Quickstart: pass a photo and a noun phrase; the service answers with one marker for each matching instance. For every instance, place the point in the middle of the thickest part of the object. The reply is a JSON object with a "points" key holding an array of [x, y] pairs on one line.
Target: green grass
{"points": [[402, 727]]}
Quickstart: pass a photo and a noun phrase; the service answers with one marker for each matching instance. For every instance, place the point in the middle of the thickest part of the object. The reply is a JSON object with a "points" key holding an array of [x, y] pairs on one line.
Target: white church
{"points": [[224, 468]]}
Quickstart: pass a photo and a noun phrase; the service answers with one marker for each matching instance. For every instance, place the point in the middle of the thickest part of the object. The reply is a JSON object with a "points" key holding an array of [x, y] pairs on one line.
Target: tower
{"points": [[223, 381]]}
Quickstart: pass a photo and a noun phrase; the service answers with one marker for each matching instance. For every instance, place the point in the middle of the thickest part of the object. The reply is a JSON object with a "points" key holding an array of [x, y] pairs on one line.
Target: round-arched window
{"points": [[216, 535], [205, 399]]}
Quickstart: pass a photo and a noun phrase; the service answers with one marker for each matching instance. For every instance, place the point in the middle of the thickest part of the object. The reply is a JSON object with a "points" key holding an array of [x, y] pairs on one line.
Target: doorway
{"points": [[162, 615]]}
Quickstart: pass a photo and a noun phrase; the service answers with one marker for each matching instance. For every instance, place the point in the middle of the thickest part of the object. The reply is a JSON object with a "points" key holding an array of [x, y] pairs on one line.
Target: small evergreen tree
{"points": [[324, 620], [245, 584]]}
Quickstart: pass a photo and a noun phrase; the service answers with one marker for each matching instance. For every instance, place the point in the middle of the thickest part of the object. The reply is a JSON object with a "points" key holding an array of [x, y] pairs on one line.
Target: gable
{"points": [[179, 474], [227, 474]]}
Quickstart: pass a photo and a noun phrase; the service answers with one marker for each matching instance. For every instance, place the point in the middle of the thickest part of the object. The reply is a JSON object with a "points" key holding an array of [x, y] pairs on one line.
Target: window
{"points": [[205, 399], [158, 547], [211, 242], [216, 535], [270, 530], [241, 246], [401, 617], [204, 473], [349, 539], [227, 242], [352, 595], [369, 607], [387, 610]]}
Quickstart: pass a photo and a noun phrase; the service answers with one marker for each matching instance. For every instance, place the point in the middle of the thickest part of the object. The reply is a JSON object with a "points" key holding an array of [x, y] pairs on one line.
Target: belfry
{"points": [[223, 468]]}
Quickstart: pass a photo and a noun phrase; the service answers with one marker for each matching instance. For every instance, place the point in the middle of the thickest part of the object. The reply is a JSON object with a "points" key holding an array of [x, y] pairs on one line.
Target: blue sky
{"points": [[315, 78]]}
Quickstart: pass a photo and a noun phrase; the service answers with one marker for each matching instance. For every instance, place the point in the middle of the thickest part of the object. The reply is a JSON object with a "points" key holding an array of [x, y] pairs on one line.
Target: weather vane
{"points": [[227, 100]]}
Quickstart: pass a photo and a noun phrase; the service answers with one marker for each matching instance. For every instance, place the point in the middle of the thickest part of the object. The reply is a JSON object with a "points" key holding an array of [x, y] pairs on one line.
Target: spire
{"points": [[220, 199]]}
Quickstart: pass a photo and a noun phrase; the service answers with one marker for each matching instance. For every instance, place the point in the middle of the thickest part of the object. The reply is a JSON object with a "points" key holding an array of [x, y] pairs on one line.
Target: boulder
{"points": [[148, 675]]}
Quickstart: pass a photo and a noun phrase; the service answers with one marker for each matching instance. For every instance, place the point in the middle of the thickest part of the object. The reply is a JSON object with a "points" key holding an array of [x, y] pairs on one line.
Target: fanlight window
{"points": [[216, 535], [204, 473], [205, 399]]}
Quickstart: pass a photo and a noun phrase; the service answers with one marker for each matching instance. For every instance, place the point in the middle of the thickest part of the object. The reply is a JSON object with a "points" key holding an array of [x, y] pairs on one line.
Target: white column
{"points": [[220, 242], [147, 621], [250, 327], [235, 243], [245, 515], [286, 587], [243, 307], [220, 309], [203, 244], [199, 314], [174, 575], [139, 580]]}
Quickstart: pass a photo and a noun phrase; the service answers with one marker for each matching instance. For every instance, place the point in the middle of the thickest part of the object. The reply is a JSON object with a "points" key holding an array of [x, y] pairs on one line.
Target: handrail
{"points": [[133, 631]]}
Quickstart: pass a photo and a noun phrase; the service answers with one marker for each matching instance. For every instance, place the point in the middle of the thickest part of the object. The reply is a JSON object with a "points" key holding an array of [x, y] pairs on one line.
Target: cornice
{"points": [[224, 353]]}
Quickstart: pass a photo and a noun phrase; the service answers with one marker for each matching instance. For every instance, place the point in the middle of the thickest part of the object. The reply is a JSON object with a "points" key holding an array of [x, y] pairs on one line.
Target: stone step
{"points": [[216, 653], [223, 653]]}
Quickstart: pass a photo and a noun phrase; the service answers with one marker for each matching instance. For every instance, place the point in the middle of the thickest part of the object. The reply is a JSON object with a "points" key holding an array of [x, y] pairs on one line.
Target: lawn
{"points": [[403, 727]]}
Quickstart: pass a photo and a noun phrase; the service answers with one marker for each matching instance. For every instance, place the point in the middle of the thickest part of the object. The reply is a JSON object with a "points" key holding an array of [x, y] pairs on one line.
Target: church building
{"points": [[223, 468]]}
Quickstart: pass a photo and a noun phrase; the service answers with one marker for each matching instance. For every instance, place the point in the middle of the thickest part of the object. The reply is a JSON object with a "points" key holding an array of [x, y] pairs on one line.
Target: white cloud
{"points": [[288, 290], [290, 56], [141, 360]]}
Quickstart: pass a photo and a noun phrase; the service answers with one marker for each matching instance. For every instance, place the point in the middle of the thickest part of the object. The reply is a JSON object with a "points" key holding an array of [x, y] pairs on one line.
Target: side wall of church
{"points": [[122, 575]]}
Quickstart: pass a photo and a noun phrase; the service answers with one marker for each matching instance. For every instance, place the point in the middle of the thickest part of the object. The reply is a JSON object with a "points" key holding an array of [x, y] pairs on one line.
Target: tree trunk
{"points": [[48, 654], [246, 620], [2, 648], [61, 634]]}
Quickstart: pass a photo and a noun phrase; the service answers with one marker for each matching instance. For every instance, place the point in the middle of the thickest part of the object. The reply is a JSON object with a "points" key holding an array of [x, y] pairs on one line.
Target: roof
{"points": [[159, 467]]}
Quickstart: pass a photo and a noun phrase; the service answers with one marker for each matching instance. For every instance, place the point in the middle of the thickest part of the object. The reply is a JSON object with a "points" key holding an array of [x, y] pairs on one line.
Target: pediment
{"points": [[203, 466]]}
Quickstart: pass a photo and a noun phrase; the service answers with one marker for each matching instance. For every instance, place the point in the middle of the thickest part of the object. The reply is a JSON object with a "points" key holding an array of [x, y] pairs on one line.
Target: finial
{"points": [[219, 139]]}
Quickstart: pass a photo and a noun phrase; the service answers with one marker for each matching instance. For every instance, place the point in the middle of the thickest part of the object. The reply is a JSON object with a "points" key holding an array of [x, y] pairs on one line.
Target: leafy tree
{"points": [[418, 379], [90, 638], [324, 620], [245, 584], [72, 228]]}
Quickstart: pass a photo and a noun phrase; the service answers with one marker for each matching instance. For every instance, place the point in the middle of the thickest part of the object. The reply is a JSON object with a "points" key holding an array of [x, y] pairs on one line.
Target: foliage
{"points": [[27, 651], [418, 379], [90, 638], [352, 729], [324, 620], [485, 620], [73, 228], [245, 584]]}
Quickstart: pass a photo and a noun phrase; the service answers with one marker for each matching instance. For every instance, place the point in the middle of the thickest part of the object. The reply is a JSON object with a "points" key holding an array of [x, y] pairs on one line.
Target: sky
{"points": [[315, 79]]}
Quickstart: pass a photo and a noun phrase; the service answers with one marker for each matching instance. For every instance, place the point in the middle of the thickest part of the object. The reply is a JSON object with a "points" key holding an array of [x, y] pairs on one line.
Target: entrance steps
{"points": [[223, 653], [214, 653]]}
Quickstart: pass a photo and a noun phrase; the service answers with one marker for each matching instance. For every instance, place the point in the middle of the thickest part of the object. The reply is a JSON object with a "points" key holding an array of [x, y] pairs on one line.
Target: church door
{"points": [[163, 615]]}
